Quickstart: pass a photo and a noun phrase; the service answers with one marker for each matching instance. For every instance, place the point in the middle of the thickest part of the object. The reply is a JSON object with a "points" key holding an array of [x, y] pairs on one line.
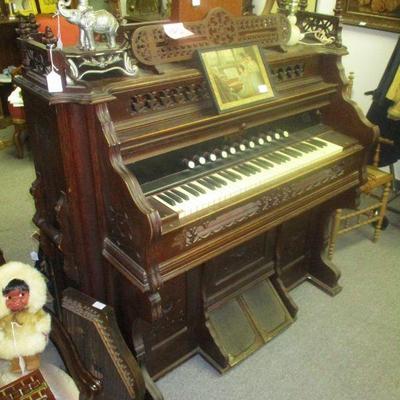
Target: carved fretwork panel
{"points": [[169, 98], [328, 24], [152, 46], [287, 72]]}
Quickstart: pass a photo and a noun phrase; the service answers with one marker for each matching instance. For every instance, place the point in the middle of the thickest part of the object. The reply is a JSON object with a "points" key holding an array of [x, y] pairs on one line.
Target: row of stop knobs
{"points": [[235, 148]]}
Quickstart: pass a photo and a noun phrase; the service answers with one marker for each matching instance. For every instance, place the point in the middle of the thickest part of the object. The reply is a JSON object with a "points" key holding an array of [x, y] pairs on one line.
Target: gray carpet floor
{"points": [[341, 348]]}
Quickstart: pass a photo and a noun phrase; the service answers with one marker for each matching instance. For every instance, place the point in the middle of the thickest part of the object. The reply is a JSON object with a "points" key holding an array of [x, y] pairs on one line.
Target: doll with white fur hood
{"points": [[24, 325]]}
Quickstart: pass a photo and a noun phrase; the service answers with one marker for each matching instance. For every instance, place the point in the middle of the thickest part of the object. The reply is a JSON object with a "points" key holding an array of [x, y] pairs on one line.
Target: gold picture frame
{"points": [[271, 6], [48, 6], [372, 14], [237, 76], [22, 7]]}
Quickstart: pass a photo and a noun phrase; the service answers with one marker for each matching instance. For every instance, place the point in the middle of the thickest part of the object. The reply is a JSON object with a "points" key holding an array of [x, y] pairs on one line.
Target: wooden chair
{"points": [[378, 188]]}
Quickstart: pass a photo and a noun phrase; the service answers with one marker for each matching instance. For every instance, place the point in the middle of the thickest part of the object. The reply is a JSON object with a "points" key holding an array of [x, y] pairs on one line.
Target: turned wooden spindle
{"points": [[338, 8], [303, 5]]}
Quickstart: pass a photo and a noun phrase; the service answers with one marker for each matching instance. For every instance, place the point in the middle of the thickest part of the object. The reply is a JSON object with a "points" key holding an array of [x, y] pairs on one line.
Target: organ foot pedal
{"points": [[243, 324]]}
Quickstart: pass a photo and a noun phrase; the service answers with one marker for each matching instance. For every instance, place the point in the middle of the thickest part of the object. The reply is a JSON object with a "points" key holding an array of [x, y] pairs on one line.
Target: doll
{"points": [[24, 325]]}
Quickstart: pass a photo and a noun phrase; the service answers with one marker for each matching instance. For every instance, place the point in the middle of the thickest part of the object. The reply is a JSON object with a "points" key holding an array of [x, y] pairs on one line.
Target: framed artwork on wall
{"points": [[48, 6], [271, 6], [22, 7], [237, 76], [375, 14]]}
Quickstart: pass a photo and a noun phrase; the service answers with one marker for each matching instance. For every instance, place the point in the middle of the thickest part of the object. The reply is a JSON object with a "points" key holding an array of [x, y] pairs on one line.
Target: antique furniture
{"points": [[376, 192], [94, 351], [29, 387], [194, 226], [9, 55], [20, 134], [377, 188]]}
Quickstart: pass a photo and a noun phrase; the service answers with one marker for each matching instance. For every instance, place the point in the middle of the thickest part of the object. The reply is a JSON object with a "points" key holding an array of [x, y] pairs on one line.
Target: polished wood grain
{"points": [[173, 283]]}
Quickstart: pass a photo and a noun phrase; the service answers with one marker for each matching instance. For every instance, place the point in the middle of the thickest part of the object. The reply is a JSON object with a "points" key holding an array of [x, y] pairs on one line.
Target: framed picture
{"points": [[22, 7], [48, 6], [237, 76], [375, 14], [271, 6]]}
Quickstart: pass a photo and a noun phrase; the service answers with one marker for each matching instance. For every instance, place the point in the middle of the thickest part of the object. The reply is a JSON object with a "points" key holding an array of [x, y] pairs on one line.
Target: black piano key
{"points": [[220, 180], [275, 158], [206, 184], [253, 167], [308, 145], [191, 190], [300, 147], [235, 175], [196, 187], [246, 168], [182, 195], [166, 199], [283, 157], [241, 170], [290, 152], [260, 164], [316, 142], [266, 163], [213, 181], [173, 196], [227, 175]]}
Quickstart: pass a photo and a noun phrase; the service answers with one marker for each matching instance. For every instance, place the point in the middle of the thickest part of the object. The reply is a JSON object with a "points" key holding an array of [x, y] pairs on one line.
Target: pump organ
{"points": [[194, 225]]}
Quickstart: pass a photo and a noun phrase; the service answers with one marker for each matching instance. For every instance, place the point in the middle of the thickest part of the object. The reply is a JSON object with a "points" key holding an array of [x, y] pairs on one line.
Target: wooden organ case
{"points": [[111, 158]]}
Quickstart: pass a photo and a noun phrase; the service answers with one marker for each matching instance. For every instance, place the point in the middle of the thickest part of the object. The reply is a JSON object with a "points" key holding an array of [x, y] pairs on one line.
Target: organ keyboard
{"points": [[194, 225], [258, 163]]}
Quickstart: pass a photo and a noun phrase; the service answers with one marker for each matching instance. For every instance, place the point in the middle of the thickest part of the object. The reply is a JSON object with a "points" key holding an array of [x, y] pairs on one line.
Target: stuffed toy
{"points": [[24, 325]]}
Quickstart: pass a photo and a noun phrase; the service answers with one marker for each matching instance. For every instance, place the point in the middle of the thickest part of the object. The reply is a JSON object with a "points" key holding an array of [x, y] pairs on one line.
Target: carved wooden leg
{"points": [[334, 231], [322, 272], [19, 138], [2, 260], [382, 211], [152, 391]]}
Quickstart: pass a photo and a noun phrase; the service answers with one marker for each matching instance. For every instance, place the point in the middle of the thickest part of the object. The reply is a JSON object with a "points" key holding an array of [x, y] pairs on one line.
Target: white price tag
{"points": [[195, 3], [262, 89], [362, 23], [54, 82], [177, 31], [98, 305]]}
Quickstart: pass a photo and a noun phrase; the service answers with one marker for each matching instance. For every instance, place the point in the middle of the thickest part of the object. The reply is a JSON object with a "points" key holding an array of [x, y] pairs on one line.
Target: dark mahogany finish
{"points": [[176, 284]]}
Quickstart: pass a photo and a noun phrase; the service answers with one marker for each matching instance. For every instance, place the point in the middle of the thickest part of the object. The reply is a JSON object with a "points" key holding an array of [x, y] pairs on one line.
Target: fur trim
{"points": [[30, 334], [33, 278]]}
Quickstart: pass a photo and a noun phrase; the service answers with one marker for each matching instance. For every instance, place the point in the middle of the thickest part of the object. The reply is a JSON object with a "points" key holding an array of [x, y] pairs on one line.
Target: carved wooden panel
{"points": [[237, 267], [272, 199], [94, 331], [152, 46]]}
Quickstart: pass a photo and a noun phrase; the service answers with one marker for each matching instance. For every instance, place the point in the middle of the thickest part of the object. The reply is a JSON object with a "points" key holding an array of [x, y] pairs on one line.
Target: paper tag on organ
{"points": [[54, 82], [177, 31]]}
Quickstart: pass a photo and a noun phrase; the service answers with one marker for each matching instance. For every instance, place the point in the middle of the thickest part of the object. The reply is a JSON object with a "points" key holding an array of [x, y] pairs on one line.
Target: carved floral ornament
{"points": [[272, 199], [151, 45]]}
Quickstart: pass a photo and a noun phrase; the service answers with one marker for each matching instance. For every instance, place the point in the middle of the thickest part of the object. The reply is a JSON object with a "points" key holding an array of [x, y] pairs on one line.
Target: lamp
{"points": [[291, 7]]}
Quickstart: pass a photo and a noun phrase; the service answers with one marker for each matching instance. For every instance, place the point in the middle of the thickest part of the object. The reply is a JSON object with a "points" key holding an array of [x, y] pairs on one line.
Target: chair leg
{"points": [[18, 139], [334, 232], [382, 211]]}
